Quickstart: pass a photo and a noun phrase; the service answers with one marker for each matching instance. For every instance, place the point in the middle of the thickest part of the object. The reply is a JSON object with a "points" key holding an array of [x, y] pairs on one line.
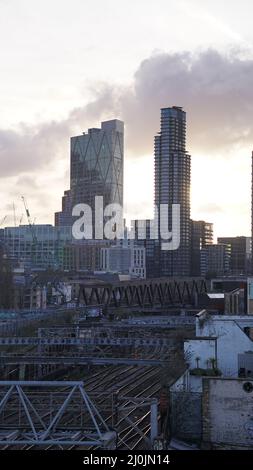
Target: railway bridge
{"points": [[141, 293]]}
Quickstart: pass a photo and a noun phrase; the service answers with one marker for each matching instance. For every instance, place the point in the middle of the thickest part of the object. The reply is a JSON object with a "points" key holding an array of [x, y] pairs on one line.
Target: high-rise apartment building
{"points": [[201, 236], [97, 158], [142, 229], [172, 186]]}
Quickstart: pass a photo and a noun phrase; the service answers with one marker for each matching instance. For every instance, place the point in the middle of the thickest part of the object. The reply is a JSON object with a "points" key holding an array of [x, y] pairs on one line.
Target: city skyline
{"points": [[51, 89]]}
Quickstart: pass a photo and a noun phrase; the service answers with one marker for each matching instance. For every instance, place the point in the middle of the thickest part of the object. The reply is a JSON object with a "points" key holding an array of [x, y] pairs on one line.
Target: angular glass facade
{"points": [[97, 165]]}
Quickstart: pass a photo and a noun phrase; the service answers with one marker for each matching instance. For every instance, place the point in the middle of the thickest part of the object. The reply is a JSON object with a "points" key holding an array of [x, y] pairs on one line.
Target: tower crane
{"points": [[33, 233], [3, 220], [31, 227], [14, 214]]}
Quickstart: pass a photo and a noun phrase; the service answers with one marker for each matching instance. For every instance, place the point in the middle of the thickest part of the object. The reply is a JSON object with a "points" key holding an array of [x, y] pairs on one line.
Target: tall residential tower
{"points": [[172, 186]]}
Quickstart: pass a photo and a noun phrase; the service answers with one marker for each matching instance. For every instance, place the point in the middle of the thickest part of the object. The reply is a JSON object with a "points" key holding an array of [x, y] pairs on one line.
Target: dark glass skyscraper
{"points": [[97, 159], [97, 164], [172, 186]]}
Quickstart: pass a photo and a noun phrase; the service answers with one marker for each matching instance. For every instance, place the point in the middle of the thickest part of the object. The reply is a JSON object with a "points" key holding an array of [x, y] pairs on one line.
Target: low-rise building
{"points": [[124, 259], [221, 351]]}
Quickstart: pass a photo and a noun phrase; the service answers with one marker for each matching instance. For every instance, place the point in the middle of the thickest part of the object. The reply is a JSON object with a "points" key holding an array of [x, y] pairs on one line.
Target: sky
{"points": [[67, 65]]}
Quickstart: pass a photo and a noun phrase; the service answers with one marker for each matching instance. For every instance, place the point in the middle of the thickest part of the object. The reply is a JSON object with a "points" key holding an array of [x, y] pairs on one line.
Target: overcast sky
{"points": [[66, 65]]}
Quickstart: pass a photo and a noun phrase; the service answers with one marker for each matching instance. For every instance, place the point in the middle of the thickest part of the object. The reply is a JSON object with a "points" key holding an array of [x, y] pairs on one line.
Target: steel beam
{"points": [[5, 360], [24, 341], [32, 424]]}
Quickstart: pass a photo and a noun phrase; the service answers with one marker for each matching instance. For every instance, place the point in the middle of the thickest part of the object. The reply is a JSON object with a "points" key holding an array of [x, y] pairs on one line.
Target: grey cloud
{"points": [[215, 90], [31, 148]]}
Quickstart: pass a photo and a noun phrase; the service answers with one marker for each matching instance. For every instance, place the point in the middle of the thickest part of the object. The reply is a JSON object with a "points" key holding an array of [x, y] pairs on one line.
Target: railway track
{"points": [[101, 385]]}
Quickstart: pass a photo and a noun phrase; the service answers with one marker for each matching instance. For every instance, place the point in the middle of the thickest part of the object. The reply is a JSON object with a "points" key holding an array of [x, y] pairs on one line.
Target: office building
{"points": [[214, 260], [97, 159], [124, 259], [83, 255], [64, 218], [39, 247], [142, 230], [240, 248]]}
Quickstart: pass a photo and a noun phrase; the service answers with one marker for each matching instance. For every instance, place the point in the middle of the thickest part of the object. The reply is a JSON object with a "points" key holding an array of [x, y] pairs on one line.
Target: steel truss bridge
{"points": [[141, 293], [34, 413]]}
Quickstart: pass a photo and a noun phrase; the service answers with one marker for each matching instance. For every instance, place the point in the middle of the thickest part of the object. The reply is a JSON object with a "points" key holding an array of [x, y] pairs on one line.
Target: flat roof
{"points": [[216, 295]]}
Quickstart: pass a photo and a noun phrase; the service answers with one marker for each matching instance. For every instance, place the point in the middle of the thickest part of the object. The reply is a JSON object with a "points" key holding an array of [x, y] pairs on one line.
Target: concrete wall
{"points": [[185, 418], [231, 341], [204, 349], [227, 413]]}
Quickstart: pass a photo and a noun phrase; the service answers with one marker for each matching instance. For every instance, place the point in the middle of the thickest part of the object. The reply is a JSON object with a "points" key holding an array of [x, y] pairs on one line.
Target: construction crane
{"points": [[29, 220], [14, 214], [33, 233], [32, 230], [3, 220]]}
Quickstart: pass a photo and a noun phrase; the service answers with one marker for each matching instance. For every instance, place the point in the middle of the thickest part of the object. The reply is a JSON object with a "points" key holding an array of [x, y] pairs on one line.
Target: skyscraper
{"points": [[97, 159], [252, 212], [172, 186]]}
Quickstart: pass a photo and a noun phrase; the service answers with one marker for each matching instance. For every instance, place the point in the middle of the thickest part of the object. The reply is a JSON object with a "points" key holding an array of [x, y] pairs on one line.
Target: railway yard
{"points": [[86, 384]]}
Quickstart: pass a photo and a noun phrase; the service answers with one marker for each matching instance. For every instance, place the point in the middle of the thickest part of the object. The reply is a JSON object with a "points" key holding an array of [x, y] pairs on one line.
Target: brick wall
{"points": [[227, 413]]}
